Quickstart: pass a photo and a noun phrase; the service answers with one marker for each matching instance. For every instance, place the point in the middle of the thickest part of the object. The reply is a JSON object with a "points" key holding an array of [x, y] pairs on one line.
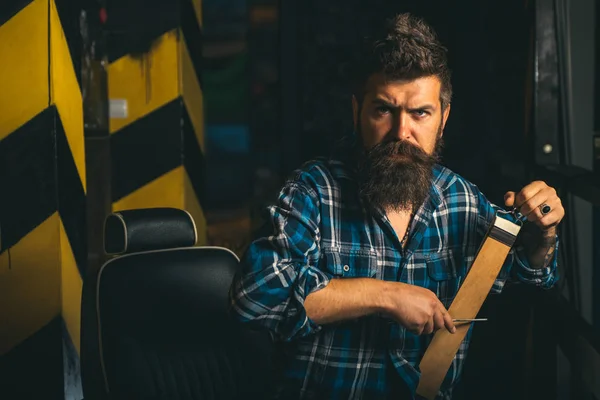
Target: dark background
{"points": [[300, 103]]}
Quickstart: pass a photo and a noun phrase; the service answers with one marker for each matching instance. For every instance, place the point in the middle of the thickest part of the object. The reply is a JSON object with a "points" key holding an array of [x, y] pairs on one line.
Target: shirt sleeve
{"points": [[517, 268], [280, 269]]}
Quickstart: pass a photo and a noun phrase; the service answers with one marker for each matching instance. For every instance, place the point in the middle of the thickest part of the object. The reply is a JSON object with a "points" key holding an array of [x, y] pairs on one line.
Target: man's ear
{"points": [[446, 114], [355, 112]]}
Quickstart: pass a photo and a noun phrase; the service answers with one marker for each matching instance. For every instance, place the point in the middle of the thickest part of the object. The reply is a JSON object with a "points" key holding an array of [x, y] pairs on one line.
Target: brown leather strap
{"points": [[469, 299]]}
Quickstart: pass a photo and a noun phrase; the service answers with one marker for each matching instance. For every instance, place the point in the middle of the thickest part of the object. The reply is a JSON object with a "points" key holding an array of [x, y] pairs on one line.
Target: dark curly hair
{"points": [[404, 48]]}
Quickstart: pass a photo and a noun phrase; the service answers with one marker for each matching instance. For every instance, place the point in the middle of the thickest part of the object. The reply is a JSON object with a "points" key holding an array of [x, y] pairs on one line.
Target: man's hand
{"points": [[417, 309], [540, 204]]}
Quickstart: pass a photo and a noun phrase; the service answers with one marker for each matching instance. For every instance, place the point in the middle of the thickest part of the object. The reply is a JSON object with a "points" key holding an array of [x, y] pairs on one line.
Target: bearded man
{"points": [[369, 246]]}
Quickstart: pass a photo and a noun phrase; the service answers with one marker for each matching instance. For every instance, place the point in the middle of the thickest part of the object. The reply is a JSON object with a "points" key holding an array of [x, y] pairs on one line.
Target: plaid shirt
{"points": [[320, 231]]}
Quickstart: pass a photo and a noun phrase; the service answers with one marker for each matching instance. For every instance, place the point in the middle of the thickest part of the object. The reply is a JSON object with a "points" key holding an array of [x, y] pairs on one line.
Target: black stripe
{"points": [[132, 25], [69, 14], [27, 177], [38, 176], [10, 8], [71, 197], [502, 236], [146, 149], [33, 369], [193, 36], [194, 161]]}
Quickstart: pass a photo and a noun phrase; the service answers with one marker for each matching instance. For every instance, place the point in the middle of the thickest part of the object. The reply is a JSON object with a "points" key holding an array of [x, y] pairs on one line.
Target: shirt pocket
{"points": [[445, 270], [443, 265], [350, 263]]}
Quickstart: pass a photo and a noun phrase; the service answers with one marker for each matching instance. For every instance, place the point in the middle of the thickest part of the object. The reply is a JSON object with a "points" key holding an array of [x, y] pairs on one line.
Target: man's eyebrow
{"points": [[384, 103], [424, 107]]}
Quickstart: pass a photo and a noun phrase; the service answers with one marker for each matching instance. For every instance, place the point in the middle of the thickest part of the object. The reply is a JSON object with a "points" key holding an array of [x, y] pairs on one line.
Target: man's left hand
{"points": [[540, 204]]}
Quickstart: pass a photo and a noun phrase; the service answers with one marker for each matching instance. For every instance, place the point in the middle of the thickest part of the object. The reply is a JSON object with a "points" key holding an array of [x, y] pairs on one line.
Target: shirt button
{"points": [[346, 268]]}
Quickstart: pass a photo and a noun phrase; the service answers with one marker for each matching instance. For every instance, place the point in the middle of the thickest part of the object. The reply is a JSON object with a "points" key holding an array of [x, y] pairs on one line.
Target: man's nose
{"points": [[401, 126]]}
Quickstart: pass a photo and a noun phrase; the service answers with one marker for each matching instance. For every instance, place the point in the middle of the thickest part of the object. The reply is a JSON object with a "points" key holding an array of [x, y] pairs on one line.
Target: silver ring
{"points": [[545, 209]]}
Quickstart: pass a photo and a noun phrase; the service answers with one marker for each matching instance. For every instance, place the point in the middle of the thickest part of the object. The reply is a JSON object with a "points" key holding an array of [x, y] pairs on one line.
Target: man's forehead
{"points": [[392, 90]]}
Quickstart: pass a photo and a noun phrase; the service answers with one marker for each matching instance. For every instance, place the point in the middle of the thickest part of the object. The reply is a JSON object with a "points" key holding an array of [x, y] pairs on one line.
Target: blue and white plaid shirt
{"points": [[320, 231]]}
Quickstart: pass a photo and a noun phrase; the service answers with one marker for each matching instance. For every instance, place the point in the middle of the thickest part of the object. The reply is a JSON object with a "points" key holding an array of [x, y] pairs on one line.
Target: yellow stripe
{"points": [[193, 207], [192, 93], [164, 191], [23, 66], [71, 286], [30, 291], [198, 9], [145, 82], [173, 189], [65, 92]]}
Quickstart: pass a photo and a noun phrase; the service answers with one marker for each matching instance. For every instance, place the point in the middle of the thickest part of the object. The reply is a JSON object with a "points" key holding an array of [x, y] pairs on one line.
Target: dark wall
{"points": [[488, 44]]}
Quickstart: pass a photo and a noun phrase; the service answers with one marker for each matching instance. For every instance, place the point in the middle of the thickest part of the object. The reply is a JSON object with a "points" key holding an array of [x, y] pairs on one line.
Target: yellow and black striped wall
{"points": [[156, 113], [42, 202]]}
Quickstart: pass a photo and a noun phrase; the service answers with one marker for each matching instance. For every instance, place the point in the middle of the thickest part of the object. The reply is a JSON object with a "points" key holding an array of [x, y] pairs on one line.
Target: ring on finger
{"points": [[545, 209]]}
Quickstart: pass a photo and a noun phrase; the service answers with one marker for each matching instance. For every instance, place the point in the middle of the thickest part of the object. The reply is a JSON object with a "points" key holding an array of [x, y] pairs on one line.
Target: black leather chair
{"points": [[155, 318]]}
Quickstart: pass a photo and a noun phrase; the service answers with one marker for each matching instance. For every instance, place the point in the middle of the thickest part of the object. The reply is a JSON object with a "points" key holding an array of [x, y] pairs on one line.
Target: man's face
{"points": [[401, 110], [400, 125]]}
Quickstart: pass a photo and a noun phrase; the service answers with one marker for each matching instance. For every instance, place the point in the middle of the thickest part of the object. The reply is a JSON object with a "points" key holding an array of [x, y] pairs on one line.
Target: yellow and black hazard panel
{"points": [[42, 207], [157, 118]]}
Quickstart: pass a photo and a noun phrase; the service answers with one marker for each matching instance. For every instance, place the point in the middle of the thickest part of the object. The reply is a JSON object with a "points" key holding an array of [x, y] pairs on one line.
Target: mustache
{"points": [[385, 151], [396, 174]]}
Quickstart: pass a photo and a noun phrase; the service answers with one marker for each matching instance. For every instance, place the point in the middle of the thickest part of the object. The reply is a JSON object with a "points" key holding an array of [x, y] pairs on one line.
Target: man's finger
{"points": [[552, 218], [428, 327], [528, 192], [509, 199], [438, 318], [530, 208], [448, 322]]}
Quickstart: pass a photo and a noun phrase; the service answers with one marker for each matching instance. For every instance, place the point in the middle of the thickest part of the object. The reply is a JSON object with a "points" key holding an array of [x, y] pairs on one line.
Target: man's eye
{"points": [[382, 110], [419, 113]]}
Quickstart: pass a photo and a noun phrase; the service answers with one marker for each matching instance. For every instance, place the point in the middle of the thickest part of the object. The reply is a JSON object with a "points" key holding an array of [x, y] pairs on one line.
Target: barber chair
{"points": [[155, 318]]}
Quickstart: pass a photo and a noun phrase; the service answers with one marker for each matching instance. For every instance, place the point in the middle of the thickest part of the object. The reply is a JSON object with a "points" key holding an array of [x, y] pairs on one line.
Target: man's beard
{"points": [[397, 175]]}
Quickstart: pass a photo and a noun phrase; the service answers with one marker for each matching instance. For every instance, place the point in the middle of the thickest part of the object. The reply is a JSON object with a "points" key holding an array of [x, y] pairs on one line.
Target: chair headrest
{"points": [[132, 231]]}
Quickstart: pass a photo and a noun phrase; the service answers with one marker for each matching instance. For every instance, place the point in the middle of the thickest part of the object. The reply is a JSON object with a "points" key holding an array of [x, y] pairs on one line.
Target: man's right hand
{"points": [[416, 308]]}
